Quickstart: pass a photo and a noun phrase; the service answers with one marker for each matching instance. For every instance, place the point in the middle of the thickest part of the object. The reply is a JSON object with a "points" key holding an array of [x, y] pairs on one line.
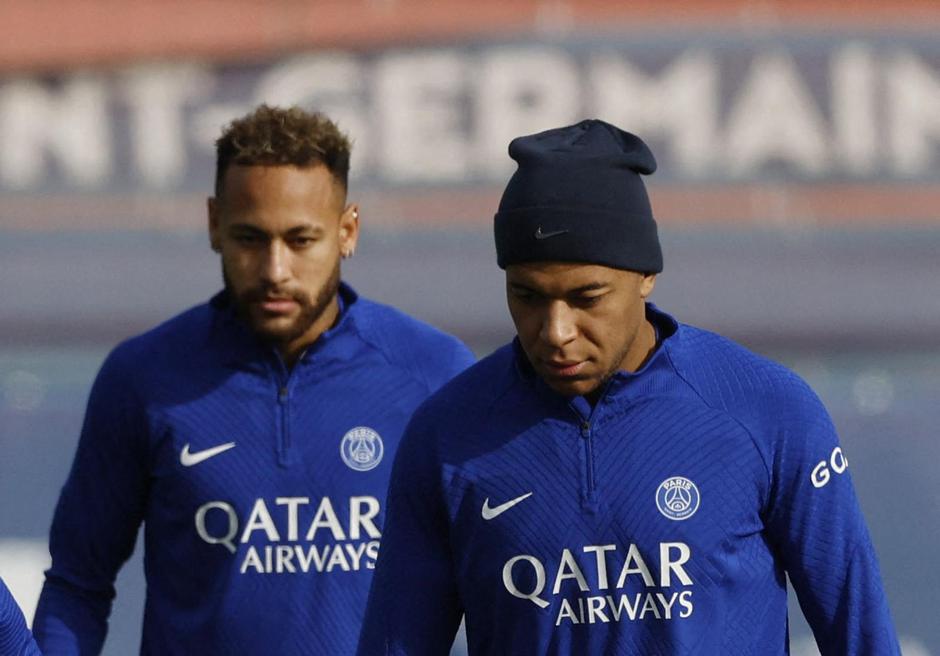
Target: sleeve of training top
{"points": [[815, 522], [97, 517], [447, 360], [413, 608], [461, 358], [15, 638]]}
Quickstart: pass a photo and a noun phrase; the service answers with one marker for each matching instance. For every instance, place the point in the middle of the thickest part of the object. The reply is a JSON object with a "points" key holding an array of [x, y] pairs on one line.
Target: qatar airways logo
{"points": [[606, 602], [290, 525]]}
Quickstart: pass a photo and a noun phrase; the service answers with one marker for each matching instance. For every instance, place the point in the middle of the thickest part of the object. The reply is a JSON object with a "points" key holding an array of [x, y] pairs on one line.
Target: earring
{"points": [[355, 214]]}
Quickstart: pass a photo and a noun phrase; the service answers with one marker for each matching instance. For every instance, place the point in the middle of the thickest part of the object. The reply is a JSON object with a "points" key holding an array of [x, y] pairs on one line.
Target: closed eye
{"points": [[302, 241], [523, 294], [587, 301], [248, 238], [245, 234]]}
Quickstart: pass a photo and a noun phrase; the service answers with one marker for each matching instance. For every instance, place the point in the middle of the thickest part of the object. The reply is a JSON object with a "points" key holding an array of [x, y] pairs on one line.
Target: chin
{"points": [[580, 387], [275, 330]]}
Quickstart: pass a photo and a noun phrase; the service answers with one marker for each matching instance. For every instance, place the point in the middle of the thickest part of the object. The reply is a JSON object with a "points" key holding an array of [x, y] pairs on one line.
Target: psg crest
{"points": [[677, 498], [361, 449]]}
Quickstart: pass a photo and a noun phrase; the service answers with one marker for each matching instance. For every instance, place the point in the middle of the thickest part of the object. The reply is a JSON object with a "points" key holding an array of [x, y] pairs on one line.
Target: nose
{"points": [[276, 266], [558, 325]]}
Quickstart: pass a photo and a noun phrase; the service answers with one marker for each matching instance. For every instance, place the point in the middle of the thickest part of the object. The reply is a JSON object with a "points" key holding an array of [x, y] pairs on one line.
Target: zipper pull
{"points": [[585, 428], [282, 394]]}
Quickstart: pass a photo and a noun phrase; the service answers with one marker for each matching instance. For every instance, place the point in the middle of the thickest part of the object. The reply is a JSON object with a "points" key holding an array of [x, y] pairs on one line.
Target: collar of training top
{"points": [[240, 347]]}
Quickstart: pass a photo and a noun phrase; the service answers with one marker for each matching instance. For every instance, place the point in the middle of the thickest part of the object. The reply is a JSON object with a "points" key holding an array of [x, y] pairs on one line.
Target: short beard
{"points": [[595, 394], [310, 311]]}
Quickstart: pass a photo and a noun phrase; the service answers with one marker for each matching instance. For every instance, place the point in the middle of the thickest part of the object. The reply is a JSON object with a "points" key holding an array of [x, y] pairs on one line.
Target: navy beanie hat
{"points": [[577, 196]]}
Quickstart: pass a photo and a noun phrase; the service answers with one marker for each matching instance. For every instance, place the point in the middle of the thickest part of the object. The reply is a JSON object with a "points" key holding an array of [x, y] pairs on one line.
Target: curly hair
{"points": [[271, 136]]}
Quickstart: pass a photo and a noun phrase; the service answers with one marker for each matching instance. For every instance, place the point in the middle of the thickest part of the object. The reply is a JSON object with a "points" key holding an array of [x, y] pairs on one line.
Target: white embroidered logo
{"points": [[188, 459], [489, 513], [677, 498], [361, 449]]}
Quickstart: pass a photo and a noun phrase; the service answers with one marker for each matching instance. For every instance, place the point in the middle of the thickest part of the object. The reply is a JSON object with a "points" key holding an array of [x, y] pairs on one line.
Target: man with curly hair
{"points": [[251, 435]]}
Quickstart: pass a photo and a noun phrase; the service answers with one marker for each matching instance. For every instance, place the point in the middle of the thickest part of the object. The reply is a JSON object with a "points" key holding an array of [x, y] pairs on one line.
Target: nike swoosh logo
{"points": [[188, 459], [489, 513], [545, 235]]}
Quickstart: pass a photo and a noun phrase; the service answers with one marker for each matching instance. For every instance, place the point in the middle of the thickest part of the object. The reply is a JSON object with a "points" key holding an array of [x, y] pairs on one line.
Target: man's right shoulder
{"points": [[471, 393], [176, 340]]}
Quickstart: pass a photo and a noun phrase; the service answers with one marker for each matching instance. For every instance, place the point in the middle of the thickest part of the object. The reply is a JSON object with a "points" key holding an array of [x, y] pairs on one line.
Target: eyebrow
{"points": [[316, 231], [590, 287]]}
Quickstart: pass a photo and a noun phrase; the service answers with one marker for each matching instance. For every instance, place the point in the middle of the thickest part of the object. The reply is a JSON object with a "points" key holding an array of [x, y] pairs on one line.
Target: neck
{"points": [[643, 346], [641, 349]]}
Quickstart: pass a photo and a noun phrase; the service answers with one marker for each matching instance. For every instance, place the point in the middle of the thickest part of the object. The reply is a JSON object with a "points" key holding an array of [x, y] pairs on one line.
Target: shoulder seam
{"points": [[767, 468], [416, 375], [490, 402], [133, 388]]}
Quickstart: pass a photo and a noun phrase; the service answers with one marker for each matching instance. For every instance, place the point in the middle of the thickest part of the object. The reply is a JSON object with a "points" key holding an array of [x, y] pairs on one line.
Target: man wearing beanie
{"points": [[614, 481]]}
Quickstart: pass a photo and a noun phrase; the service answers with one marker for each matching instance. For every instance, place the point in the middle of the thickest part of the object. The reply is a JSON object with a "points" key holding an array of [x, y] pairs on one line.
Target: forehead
{"points": [[557, 278], [268, 186]]}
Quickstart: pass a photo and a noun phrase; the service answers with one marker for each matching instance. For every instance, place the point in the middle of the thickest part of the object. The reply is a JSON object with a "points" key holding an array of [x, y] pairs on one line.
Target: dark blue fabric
{"points": [[15, 638], [598, 554], [268, 546], [577, 196]]}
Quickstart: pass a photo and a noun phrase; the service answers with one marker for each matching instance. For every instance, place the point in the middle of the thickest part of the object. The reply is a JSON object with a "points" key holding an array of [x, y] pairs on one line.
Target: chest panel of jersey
{"points": [[280, 513], [611, 560]]}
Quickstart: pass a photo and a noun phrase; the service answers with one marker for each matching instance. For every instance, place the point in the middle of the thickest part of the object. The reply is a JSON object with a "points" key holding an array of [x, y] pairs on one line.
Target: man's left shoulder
{"points": [[411, 343], [729, 375]]}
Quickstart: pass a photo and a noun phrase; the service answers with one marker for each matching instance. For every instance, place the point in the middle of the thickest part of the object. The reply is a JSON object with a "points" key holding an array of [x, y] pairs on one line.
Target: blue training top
{"points": [[259, 488], [15, 638], [662, 521]]}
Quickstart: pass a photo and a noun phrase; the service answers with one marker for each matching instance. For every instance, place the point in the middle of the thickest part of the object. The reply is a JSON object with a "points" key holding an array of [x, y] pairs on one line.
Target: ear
{"points": [[647, 284], [215, 230], [349, 230]]}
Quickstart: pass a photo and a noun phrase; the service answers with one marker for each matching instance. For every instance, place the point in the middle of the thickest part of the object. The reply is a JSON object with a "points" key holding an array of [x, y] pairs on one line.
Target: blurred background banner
{"points": [[802, 126], [798, 196]]}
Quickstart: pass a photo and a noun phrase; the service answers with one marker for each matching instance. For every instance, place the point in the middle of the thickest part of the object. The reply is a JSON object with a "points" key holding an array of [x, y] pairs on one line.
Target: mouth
{"points": [[277, 305], [564, 368]]}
